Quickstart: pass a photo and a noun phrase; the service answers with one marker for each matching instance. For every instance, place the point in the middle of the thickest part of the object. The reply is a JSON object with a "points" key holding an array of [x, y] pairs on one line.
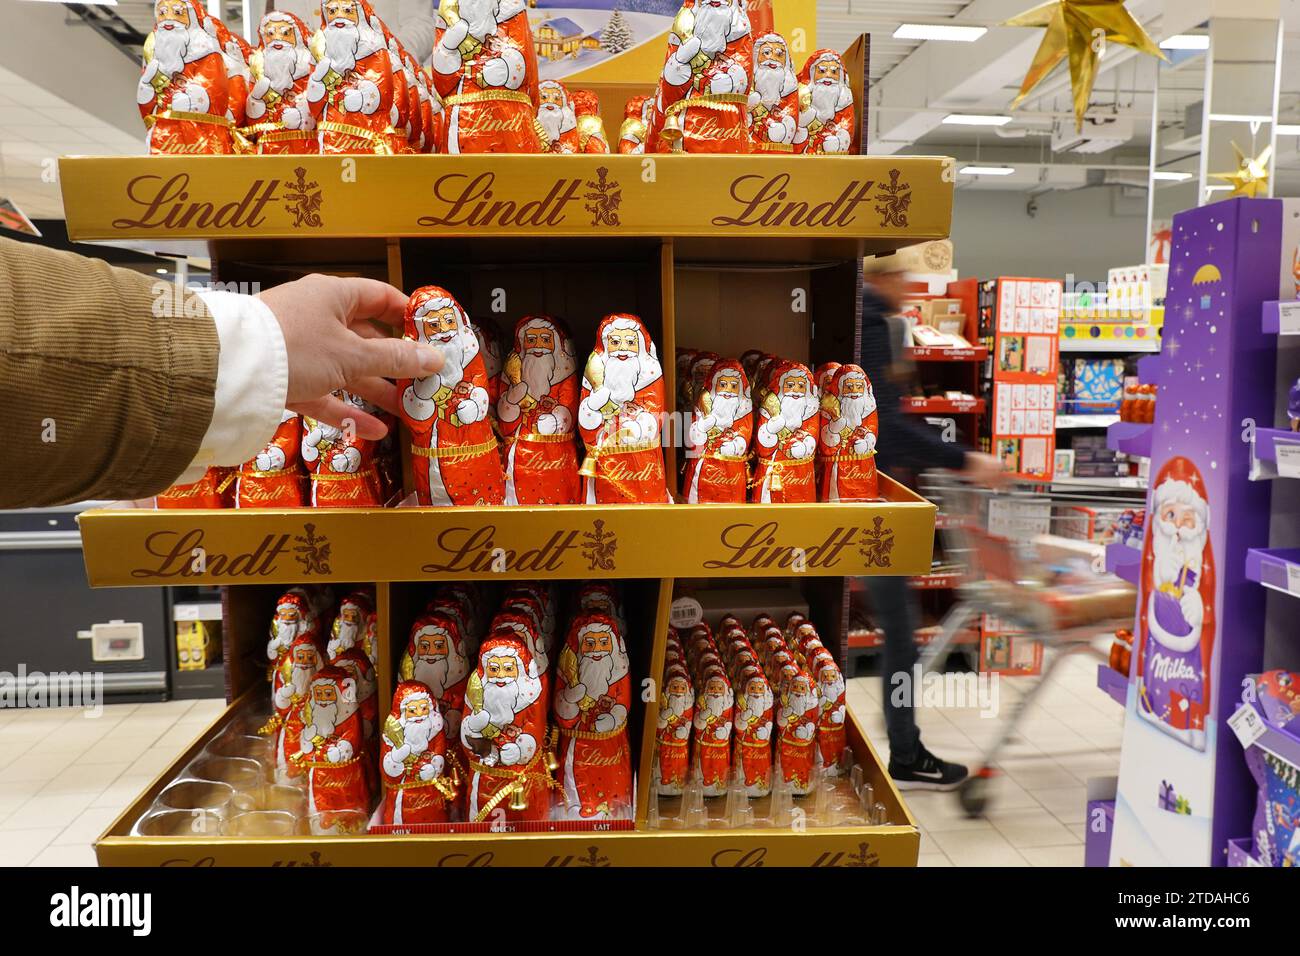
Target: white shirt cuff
{"points": [[252, 382]]}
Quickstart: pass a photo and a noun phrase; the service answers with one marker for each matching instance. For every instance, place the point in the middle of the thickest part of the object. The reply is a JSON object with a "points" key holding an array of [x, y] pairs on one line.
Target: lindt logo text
{"points": [[767, 201], [166, 203], [475, 550], [757, 547], [182, 554], [471, 201]]}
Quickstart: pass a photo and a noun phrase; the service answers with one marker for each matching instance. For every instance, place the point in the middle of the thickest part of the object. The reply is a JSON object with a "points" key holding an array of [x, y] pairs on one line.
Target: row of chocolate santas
{"points": [[351, 87], [814, 436], [769, 701]]}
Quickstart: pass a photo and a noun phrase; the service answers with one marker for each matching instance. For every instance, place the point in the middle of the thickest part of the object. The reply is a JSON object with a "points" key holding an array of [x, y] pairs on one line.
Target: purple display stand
{"points": [[1096, 840], [1267, 439], [1149, 369], [1275, 312], [1276, 568], [1115, 685], [1131, 438], [1241, 853], [1184, 789], [1124, 562]]}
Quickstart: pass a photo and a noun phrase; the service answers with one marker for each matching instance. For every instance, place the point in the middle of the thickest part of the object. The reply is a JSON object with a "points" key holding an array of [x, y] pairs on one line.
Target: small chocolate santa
{"points": [[797, 720], [341, 465], [637, 114], [591, 128], [330, 751], [276, 477], [786, 436], [183, 93], [714, 711], [437, 657], [774, 99], [556, 118], [673, 731], [826, 104], [717, 463], [847, 437], [417, 779], [277, 111]]}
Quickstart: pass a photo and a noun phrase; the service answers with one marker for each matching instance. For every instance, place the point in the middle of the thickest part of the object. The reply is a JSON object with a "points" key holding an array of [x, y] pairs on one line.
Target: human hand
{"points": [[984, 470], [333, 344]]}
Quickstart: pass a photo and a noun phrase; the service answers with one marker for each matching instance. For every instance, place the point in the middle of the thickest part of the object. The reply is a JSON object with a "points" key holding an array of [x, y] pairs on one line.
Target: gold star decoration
{"points": [[1080, 30], [1250, 178]]}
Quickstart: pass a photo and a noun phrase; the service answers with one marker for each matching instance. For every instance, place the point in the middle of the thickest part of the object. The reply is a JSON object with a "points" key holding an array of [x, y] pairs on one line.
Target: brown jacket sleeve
{"points": [[107, 385]]}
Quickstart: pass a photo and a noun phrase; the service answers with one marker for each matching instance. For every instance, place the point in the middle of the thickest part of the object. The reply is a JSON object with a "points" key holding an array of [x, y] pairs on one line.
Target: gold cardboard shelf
{"points": [[883, 202], [142, 546]]}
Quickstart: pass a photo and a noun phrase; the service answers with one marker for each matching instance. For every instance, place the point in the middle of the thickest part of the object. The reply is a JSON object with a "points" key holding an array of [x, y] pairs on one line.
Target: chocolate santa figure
{"points": [[183, 93], [340, 464], [485, 70], [456, 460], [753, 731], [277, 109], [330, 750], [399, 131], [437, 657], [293, 618], [1176, 614], [703, 98], [275, 478], [536, 413], [717, 464], [525, 627], [673, 731], [213, 490], [430, 106], [847, 438], [417, 778], [797, 723], [632, 133], [714, 710], [289, 687], [414, 104], [591, 128], [619, 416], [832, 709], [351, 624], [592, 695], [350, 91], [774, 99], [556, 118], [826, 104], [503, 731], [785, 438]]}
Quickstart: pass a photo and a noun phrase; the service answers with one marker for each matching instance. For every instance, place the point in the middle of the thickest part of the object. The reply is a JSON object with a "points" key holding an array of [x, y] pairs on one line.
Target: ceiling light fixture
{"points": [[975, 119], [1186, 41], [987, 170], [944, 32], [1288, 129]]}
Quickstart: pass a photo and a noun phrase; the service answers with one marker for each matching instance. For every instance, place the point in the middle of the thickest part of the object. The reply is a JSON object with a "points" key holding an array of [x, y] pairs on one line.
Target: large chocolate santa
{"points": [[703, 98], [826, 104], [183, 93], [277, 111], [351, 90], [417, 779], [536, 414], [592, 695], [717, 465], [774, 99], [619, 416], [847, 437], [330, 752], [456, 460], [485, 70], [1176, 616], [786, 436], [437, 657]]}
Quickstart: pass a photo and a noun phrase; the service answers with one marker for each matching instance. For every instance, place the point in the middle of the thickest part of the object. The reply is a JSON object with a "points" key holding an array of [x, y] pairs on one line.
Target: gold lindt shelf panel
{"points": [[145, 546], [895, 845], [881, 202]]}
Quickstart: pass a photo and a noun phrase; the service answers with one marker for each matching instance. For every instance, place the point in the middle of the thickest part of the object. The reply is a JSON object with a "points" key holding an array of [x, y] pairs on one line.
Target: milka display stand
{"points": [[1184, 789]]}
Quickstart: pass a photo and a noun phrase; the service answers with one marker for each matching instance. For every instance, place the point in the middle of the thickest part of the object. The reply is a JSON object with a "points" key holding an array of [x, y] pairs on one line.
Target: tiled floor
{"points": [[64, 778]]}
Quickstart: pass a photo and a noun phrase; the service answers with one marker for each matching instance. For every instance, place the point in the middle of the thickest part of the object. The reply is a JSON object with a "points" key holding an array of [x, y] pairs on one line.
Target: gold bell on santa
{"points": [[552, 761], [672, 131], [519, 799]]}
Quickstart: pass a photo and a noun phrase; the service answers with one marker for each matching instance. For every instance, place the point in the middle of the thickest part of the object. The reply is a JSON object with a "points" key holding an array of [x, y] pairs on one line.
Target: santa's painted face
{"points": [[324, 694], [551, 95], [341, 13], [172, 14], [432, 647], [827, 72], [305, 657], [677, 686], [1180, 519], [795, 387], [277, 34], [287, 614], [771, 55], [539, 341], [440, 326], [501, 670], [755, 689], [853, 388], [715, 688], [728, 386], [596, 644], [416, 708], [622, 344]]}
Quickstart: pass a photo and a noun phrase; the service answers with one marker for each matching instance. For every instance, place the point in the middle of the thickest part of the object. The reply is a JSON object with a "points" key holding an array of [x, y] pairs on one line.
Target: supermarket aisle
{"points": [[1036, 816], [64, 778]]}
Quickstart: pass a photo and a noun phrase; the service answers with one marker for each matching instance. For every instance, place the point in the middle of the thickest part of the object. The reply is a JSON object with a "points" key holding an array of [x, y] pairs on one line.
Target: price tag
{"points": [[1247, 725], [686, 612], [1288, 316], [1288, 458], [1293, 579]]}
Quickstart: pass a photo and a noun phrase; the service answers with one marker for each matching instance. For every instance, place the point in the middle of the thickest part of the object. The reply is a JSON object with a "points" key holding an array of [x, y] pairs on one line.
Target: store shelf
{"points": [[1113, 683], [1275, 453], [1085, 421], [1111, 337], [945, 581], [1282, 318], [928, 354], [1124, 562], [1130, 483], [943, 406], [867, 640], [1241, 854], [1276, 568], [144, 546], [1131, 438], [851, 205]]}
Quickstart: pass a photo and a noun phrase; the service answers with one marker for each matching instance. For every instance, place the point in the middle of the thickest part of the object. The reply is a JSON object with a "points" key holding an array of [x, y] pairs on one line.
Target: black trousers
{"points": [[895, 611]]}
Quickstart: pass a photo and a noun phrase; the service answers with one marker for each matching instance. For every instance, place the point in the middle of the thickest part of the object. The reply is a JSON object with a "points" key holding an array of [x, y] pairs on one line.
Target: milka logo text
{"points": [[1171, 668]]}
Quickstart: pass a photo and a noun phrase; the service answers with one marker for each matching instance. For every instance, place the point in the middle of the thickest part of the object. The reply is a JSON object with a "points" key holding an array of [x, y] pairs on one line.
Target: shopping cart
{"points": [[1005, 575]]}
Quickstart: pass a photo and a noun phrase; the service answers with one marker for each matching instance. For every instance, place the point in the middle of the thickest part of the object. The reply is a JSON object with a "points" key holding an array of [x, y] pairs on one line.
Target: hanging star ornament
{"points": [[1250, 178], [1080, 30]]}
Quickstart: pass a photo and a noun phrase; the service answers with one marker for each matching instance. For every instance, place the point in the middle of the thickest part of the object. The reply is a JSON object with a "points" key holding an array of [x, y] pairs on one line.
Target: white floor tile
{"points": [[20, 847]]}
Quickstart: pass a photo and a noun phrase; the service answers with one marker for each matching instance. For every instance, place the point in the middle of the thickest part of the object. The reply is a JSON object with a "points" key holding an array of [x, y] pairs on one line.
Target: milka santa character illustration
{"points": [[351, 91], [436, 657], [774, 99], [330, 751], [277, 109], [673, 731], [485, 70], [340, 463], [592, 695], [289, 686], [786, 439], [556, 118], [826, 104], [503, 731], [456, 460], [714, 711], [536, 413], [847, 437], [417, 779], [183, 93], [1177, 610], [702, 105], [717, 464], [619, 416], [754, 705]]}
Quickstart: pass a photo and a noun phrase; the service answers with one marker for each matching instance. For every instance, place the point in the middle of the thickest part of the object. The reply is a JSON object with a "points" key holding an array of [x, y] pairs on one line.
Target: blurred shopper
{"points": [[906, 444]]}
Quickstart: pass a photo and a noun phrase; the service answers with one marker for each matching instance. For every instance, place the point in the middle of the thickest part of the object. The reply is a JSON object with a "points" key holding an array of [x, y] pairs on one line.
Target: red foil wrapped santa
{"points": [[620, 414], [591, 128], [785, 439], [341, 465], [214, 490], [556, 119], [289, 687], [418, 781], [275, 478], [717, 453], [637, 116], [797, 740], [673, 731], [714, 711], [277, 112], [826, 104], [454, 447], [437, 656], [331, 748], [774, 99], [184, 88], [351, 90], [847, 437]]}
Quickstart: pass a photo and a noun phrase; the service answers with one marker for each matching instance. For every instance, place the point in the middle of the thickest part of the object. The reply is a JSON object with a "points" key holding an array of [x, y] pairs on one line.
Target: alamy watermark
{"points": [[37, 689], [934, 689]]}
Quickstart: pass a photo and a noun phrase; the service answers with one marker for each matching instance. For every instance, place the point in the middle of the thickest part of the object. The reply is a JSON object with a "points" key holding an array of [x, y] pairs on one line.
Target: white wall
{"points": [[1085, 232]]}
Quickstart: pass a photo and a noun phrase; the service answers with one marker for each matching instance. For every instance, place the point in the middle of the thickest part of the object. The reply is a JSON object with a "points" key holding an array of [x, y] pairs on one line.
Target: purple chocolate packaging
{"points": [[1276, 826]]}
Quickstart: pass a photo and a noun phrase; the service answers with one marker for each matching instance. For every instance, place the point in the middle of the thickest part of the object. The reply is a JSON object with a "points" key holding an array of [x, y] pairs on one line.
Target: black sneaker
{"points": [[927, 772]]}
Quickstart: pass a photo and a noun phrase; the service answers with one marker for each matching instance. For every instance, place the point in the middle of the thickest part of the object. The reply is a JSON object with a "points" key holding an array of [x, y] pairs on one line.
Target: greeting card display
{"points": [[1025, 376]]}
